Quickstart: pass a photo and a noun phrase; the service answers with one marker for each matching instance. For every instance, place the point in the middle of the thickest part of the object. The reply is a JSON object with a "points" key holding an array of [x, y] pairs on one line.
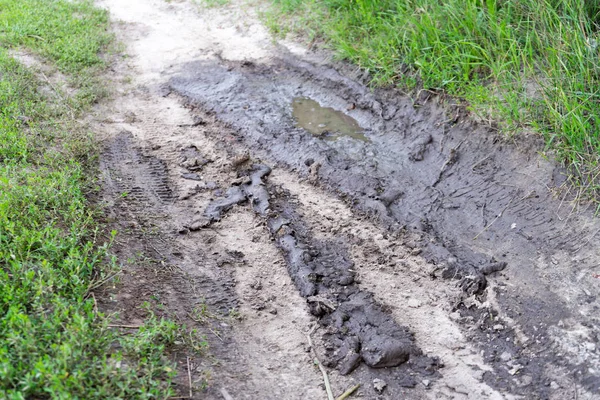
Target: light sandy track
{"points": [[235, 263]]}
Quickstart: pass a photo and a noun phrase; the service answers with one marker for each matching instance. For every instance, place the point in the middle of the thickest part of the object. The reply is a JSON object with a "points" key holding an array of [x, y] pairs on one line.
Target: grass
{"points": [[53, 342], [211, 3], [521, 65]]}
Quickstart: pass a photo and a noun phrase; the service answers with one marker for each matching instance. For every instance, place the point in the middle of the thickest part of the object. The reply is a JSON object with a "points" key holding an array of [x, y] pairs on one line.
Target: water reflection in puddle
{"points": [[325, 122]]}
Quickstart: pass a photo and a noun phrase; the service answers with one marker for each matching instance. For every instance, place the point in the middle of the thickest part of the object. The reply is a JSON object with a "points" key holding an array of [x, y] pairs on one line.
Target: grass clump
{"points": [[524, 64], [211, 3], [67, 33], [53, 343]]}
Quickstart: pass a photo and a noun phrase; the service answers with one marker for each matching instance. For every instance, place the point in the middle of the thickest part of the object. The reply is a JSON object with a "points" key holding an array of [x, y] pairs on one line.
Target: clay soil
{"points": [[431, 259]]}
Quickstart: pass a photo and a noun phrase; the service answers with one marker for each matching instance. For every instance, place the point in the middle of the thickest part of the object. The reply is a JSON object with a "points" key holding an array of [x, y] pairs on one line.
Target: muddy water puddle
{"points": [[325, 122]]}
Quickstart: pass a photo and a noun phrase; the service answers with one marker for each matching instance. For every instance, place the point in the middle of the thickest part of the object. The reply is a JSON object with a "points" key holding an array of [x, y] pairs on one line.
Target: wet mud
{"points": [[400, 228], [357, 328], [474, 205]]}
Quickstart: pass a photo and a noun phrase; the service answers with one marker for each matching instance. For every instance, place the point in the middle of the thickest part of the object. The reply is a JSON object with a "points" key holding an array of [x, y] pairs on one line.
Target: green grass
{"points": [[521, 64], [211, 3], [53, 343]]}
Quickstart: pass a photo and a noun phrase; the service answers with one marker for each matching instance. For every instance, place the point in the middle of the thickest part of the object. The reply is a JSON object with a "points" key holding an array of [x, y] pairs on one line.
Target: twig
{"points": [[479, 162], [495, 219], [348, 392], [225, 394], [190, 377], [95, 302], [156, 250], [96, 285], [216, 334], [587, 241], [60, 96], [124, 326], [323, 370]]}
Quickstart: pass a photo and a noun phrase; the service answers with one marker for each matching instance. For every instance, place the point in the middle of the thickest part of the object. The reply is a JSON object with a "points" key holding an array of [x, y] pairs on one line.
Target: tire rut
{"points": [[401, 210]]}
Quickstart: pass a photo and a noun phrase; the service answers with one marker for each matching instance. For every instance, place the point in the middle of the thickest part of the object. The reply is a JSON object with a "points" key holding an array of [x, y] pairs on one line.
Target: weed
{"points": [[211, 3], [235, 314]]}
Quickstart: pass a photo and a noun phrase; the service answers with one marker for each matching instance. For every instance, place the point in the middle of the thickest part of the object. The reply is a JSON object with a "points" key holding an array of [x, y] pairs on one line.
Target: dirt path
{"points": [[392, 247]]}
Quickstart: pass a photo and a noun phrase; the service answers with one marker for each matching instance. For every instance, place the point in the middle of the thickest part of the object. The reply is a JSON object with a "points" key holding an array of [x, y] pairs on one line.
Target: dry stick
{"points": [[323, 371], [348, 392], [95, 303], [93, 286], [190, 377], [124, 326], [495, 219], [225, 394], [216, 334], [479, 162], [587, 241], [156, 250], [60, 96]]}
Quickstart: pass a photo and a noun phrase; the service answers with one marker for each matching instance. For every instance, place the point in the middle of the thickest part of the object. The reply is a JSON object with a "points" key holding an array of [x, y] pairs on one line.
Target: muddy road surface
{"points": [[267, 197]]}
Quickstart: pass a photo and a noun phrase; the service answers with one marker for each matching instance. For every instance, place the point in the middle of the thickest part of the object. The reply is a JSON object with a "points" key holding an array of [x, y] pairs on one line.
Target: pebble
{"points": [[379, 385], [590, 346], [414, 303]]}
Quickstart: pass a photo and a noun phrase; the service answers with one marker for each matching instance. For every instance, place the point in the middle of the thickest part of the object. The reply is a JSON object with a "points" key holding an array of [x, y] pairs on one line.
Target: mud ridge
{"points": [[357, 329]]}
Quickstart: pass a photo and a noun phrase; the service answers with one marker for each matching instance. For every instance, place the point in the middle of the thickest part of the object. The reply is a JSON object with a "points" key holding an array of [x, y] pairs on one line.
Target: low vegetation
{"points": [[520, 65], [53, 341]]}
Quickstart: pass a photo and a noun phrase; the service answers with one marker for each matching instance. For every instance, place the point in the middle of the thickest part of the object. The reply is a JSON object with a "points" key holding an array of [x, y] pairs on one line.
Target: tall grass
{"points": [[524, 64]]}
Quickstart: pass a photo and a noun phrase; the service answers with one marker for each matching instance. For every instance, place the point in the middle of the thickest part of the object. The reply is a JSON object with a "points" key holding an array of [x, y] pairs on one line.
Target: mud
{"points": [[357, 328], [433, 238], [474, 203]]}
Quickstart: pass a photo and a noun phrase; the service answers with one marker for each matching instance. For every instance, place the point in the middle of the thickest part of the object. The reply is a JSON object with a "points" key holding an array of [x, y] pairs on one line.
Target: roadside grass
{"points": [[211, 3], [53, 342], [520, 65]]}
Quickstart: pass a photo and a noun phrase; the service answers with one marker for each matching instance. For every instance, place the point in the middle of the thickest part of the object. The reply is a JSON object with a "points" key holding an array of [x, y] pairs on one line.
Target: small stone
{"points": [[590, 346], [498, 327], [379, 385], [515, 370], [505, 356], [554, 385], [426, 382], [256, 285], [273, 311], [415, 252], [413, 303]]}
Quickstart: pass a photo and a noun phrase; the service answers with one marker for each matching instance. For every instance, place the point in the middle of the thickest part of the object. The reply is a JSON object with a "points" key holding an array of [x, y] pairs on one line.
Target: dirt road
{"points": [[425, 256]]}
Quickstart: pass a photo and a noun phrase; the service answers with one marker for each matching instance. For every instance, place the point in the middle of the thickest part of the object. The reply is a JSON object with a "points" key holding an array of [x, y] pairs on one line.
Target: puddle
{"points": [[325, 122]]}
